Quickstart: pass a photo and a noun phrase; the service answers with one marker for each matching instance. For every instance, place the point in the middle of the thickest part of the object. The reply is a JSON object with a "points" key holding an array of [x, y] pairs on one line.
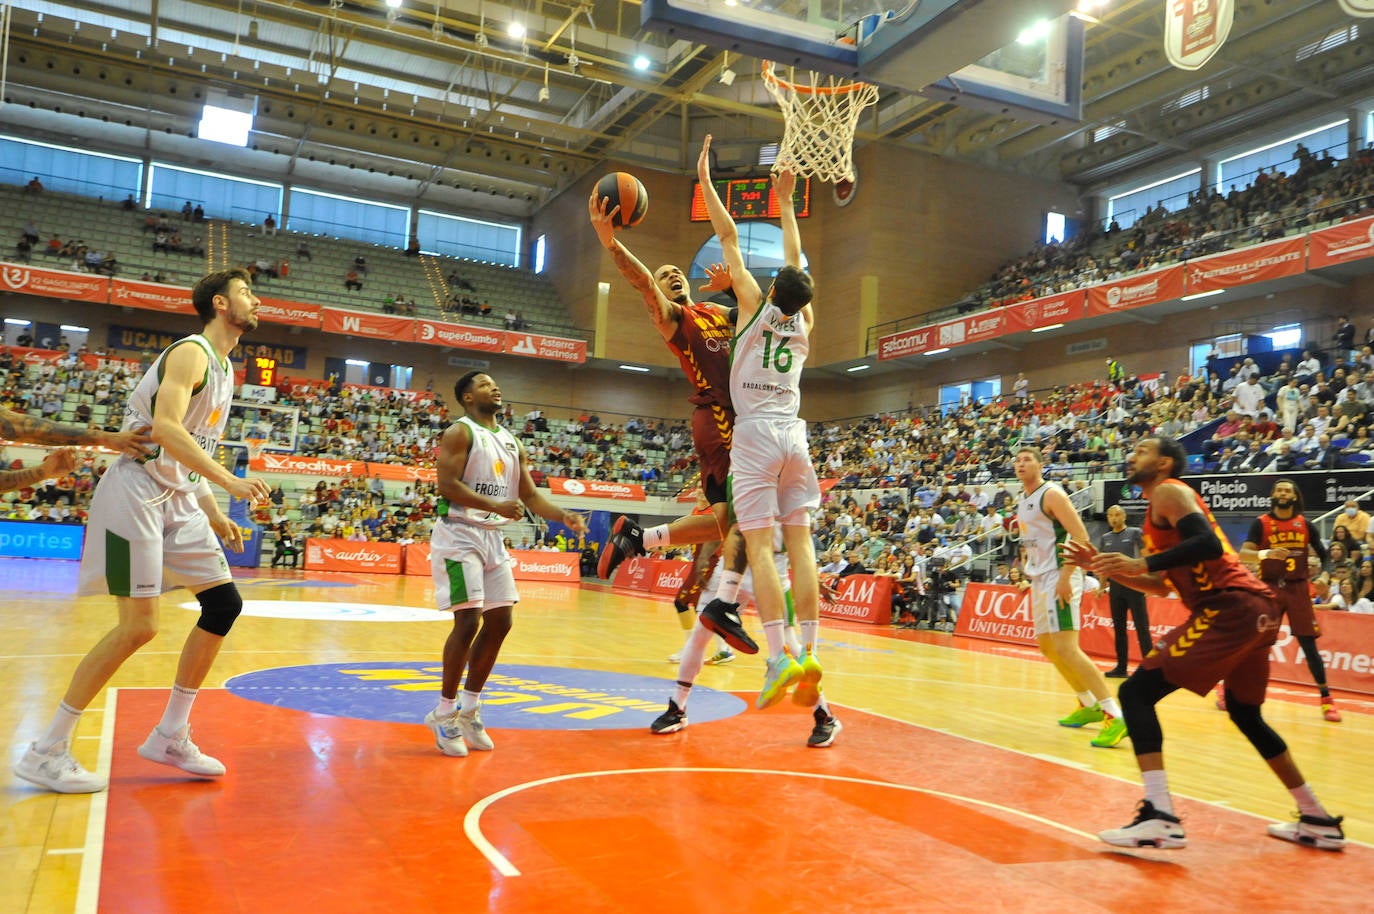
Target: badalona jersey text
{"points": [[766, 364], [207, 413], [493, 470]]}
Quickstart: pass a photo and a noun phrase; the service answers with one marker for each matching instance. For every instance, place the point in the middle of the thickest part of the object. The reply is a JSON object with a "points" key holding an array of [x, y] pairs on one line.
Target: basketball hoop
{"points": [[254, 447], [819, 118]]}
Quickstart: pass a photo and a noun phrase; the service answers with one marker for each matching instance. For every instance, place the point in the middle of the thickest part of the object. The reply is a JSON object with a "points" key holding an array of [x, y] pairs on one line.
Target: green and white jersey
{"points": [[1041, 534], [493, 470], [206, 414], [766, 362]]}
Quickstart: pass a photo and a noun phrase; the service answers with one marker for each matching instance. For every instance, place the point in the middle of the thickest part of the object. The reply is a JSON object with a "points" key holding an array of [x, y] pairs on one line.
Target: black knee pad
{"points": [[219, 607], [1250, 722]]}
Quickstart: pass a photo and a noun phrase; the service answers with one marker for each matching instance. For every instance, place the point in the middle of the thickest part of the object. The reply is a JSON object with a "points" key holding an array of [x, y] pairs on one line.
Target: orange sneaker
{"points": [[1330, 713]]}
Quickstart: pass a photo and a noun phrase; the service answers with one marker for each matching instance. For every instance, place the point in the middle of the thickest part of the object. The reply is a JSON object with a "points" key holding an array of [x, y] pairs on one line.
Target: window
{"points": [[540, 248], [72, 171], [474, 239], [1054, 227], [347, 217], [222, 197], [1241, 169], [759, 242], [1172, 192]]}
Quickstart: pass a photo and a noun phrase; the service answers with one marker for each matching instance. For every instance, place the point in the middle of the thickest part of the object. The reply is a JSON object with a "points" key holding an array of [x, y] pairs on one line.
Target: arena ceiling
{"points": [[434, 103]]}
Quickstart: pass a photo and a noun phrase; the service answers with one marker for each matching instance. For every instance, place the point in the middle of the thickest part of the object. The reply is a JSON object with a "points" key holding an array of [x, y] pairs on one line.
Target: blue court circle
{"points": [[519, 697]]}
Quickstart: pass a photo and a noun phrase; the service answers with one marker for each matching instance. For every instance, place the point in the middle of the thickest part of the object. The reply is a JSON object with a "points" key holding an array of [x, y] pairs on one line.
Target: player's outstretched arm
{"points": [[57, 463], [747, 291], [662, 312], [16, 426]]}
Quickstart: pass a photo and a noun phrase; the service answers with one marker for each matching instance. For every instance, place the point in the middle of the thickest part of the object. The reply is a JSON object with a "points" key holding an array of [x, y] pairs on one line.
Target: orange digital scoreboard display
{"points": [[262, 371], [750, 198]]}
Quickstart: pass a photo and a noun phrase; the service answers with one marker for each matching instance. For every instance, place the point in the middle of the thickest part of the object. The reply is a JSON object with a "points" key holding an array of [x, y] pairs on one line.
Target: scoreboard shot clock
{"points": [[751, 198], [262, 371]]}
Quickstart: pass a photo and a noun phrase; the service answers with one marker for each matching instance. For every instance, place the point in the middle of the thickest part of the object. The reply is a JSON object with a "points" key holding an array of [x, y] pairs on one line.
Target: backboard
{"points": [[958, 50]]}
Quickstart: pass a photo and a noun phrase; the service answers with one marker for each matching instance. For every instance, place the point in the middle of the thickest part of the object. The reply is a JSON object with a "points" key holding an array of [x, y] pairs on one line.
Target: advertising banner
{"points": [[547, 566], [860, 598], [346, 555], [650, 575], [415, 559], [295, 313], [1342, 243], [997, 612], [374, 326], [459, 336], [269, 462], [905, 342], [20, 277], [24, 539], [1136, 291], [537, 346], [1194, 30], [595, 488], [1241, 267], [151, 296], [1248, 493], [1044, 312]]}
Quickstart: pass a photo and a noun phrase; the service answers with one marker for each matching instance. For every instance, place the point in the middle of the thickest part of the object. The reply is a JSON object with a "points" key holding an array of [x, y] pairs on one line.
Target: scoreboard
{"points": [[750, 198], [261, 371]]}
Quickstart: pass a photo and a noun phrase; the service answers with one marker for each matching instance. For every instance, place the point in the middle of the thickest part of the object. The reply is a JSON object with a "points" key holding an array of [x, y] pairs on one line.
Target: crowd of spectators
{"points": [[1321, 188]]}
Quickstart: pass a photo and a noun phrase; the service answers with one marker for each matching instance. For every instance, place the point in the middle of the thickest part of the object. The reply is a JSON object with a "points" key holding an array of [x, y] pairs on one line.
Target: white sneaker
{"points": [[1312, 831], [178, 751], [447, 735], [675, 657], [1151, 828], [474, 731], [56, 770]]}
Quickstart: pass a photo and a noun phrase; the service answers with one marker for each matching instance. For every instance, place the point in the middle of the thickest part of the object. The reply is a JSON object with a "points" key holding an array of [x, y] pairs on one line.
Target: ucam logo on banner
{"points": [[860, 598], [15, 277], [1341, 243]]}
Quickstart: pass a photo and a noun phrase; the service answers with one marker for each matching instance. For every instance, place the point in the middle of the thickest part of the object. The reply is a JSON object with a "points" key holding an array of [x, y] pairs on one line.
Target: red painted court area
{"points": [[335, 815]]}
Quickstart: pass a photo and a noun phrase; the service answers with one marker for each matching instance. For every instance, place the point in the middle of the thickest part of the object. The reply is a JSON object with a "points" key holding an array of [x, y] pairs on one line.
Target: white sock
{"points": [[446, 706], [1307, 801], [810, 630], [772, 633], [469, 700], [793, 642], [654, 537], [1087, 699], [1157, 790], [693, 655], [178, 712], [1110, 707], [728, 591], [824, 706], [63, 725], [680, 693]]}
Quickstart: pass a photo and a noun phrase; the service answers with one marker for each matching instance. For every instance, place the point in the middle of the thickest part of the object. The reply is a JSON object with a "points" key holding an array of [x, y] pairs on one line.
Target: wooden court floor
{"points": [[951, 787]]}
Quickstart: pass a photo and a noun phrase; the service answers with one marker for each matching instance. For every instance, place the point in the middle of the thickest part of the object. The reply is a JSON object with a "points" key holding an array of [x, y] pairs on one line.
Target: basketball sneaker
{"points": [[1329, 711], [448, 736], [1083, 715], [675, 657], [1312, 831], [627, 540], [1151, 828], [474, 731], [671, 720], [178, 751], [55, 769], [723, 619], [1113, 733], [808, 692], [823, 734], [721, 657], [782, 672], [1221, 697]]}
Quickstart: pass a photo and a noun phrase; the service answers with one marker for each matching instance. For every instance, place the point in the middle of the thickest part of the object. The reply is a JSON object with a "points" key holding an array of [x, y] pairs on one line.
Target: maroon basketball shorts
{"points": [[1227, 637]]}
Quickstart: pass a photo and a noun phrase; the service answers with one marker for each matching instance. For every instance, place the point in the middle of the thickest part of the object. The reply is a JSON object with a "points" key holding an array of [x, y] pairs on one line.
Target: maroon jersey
{"points": [[702, 345], [1195, 584], [1293, 534]]}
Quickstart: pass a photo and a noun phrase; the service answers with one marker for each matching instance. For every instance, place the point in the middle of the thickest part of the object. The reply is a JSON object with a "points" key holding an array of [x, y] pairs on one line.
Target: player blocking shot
{"points": [[153, 526]]}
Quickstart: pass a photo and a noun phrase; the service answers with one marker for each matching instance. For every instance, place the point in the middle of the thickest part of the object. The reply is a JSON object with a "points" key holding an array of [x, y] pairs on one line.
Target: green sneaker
{"points": [[782, 672], [1083, 716], [1113, 733], [808, 692]]}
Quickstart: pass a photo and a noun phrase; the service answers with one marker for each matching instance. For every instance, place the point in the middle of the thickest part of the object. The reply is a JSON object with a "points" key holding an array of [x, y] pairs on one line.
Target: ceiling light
{"points": [[515, 29], [17, 321], [394, 4], [855, 368], [638, 368], [938, 351], [543, 93], [641, 62], [727, 75], [1035, 32], [1202, 294], [1043, 329], [72, 328]]}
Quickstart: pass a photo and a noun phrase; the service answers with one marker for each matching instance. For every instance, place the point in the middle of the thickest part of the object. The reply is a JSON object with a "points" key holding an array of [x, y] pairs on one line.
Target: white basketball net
{"points": [[819, 119], [255, 447]]}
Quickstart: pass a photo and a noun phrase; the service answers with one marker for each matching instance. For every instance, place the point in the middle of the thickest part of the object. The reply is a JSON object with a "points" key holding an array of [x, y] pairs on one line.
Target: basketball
{"points": [[623, 189]]}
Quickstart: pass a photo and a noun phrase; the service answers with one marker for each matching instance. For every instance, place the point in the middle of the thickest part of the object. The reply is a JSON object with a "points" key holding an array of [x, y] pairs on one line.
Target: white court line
{"points": [[473, 829], [88, 887]]}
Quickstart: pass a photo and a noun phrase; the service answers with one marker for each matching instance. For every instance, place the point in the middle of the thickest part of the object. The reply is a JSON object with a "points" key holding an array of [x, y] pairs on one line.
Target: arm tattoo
{"points": [[632, 270], [18, 479], [34, 430]]}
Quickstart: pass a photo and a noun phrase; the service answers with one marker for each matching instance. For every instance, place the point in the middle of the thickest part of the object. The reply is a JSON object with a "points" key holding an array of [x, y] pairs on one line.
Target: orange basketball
{"points": [[624, 190]]}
